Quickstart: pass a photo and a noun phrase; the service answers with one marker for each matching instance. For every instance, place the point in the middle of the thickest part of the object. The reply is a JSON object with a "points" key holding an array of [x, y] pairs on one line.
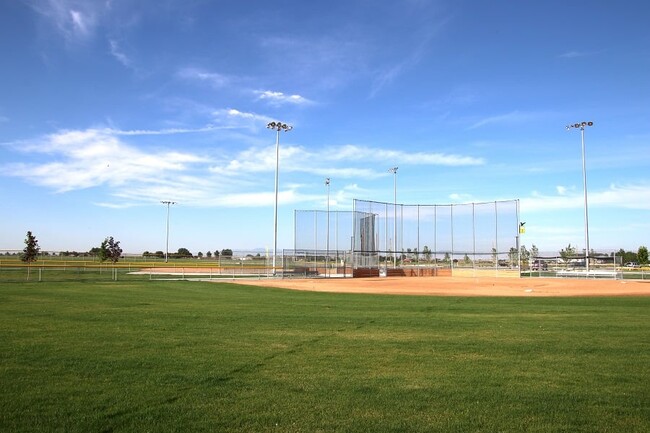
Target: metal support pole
{"points": [[168, 203], [581, 126], [277, 126], [327, 240], [394, 171]]}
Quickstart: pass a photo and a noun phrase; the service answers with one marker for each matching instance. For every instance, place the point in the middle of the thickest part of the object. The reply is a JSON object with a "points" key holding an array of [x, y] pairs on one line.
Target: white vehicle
{"points": [[631, 265]]}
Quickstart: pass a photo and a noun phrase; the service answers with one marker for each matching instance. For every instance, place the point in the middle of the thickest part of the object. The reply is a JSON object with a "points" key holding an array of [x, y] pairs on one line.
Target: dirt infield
{"points": [[463, 286]]}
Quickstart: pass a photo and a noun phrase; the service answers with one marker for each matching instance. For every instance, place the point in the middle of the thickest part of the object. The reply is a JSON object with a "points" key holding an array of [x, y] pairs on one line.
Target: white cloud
{"points": [[279, 98], [461, 198], [109, 158], [92, 157], [167, 131], [352, 152], [327, 161], [81, 23], [232, 118], [616, 196]]}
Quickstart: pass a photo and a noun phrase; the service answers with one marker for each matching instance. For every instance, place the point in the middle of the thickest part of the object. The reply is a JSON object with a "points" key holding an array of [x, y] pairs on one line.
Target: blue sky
{"points": [[108, 107]]}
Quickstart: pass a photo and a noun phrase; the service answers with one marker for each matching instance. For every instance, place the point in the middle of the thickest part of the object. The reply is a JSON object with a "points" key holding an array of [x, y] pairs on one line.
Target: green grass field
{"points": [[177, 356]]}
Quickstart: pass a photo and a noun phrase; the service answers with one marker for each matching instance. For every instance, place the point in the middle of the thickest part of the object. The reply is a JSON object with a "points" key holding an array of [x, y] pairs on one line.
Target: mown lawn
{"points": [[165, 356]]}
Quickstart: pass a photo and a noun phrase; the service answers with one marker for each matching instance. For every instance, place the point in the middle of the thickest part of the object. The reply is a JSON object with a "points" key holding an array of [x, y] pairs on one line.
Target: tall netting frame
{"points": [[462, 237], [322, 244]]}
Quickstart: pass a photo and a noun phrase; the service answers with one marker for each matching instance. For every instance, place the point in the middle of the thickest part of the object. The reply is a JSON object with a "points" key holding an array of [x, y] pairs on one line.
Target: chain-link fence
{"points": [[474, 236]]}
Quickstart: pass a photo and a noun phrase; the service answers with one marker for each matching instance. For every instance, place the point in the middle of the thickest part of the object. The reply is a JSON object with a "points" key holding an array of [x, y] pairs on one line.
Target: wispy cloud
{"points": [[361, 153], [233, 118], [166, 131], [279, 98], [130, 175], [327, 160], [616, 196], [425, 33], [111, 159], [214, 79], [93, 157], [507, 118], [119, 54], [574, 54], [76, 21]]}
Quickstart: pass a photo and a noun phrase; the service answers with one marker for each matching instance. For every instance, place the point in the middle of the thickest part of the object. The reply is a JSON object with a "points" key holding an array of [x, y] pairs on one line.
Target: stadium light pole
{"points": [[277, 126], [581, 126], [394, 171], [327, 239], [168, 203]]}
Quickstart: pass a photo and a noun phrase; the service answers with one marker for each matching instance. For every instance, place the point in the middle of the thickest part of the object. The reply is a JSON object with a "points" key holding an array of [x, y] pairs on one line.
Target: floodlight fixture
{"points": [[279, 126]]}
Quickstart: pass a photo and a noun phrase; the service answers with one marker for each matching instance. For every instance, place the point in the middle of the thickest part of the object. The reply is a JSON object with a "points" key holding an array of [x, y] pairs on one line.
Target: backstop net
{"points": [[322, 244], [462, 236], [408, 239]]}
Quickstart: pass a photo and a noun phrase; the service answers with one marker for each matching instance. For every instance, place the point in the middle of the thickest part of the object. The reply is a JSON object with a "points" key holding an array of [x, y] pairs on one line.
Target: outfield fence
{"points": [[328, 263], [602, 264]]}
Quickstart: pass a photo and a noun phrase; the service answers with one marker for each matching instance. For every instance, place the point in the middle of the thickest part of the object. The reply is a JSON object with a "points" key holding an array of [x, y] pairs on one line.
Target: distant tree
{"points": [[226, 252], [513, 256], [495, 256], [159, 254], [467, 260], [208, 254], [567, 253], [200, 255], [183, 252], [30, 253], [446, 258], [534, 251], [216, 254], [427, 253], [110, 250], [524, 254], [146, 254], [642, 255], [627, 256]]}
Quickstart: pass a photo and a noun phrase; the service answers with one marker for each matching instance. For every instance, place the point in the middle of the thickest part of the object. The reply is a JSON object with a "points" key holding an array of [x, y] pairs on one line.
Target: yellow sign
{"points": [[522, 230]]}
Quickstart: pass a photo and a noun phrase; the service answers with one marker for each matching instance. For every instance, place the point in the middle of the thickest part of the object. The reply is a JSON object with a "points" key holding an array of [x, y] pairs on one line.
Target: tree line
{"points": [[110, 250], [570, 252], [183, 253]]}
